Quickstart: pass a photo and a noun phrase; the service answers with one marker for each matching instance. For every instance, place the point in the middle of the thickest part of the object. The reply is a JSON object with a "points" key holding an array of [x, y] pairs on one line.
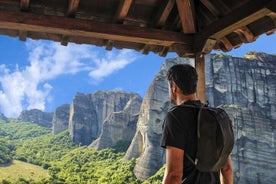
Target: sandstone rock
{"points": [[61, 119], [37, 116]]}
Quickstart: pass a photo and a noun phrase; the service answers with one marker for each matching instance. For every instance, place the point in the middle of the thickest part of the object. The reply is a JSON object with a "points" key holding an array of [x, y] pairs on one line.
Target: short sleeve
{"points": [[173, 132]]}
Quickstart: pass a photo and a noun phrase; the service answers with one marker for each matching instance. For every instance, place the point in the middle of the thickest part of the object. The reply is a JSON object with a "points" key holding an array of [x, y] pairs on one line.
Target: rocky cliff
{"points": [[61, 119], [37, 116], [88, 113], [249, 83], [119, 126]]}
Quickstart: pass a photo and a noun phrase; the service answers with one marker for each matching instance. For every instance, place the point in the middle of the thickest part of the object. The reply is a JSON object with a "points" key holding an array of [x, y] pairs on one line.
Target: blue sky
{"points": [[44, 74]]}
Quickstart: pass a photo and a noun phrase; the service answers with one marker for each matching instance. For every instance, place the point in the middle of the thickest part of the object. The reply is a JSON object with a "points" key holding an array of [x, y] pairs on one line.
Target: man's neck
{"points": [[184, 98]]}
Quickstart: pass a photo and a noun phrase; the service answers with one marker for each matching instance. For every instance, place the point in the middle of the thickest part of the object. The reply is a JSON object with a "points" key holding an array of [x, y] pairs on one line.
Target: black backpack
{"points": [[215, 139]]}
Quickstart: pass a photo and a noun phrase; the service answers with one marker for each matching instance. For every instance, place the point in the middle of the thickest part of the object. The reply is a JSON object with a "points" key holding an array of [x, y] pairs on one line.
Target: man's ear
{"points": [[173, 87]]}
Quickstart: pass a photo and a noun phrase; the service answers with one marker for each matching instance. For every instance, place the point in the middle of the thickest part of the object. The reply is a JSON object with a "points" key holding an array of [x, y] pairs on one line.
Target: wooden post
{"points": [[201, 86]]}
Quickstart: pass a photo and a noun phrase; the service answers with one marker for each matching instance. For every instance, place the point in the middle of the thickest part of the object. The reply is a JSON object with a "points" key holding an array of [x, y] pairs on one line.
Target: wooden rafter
{"points": [[244, 15], [109, 44], [122, 10], [245, 34], [224, 10], [164, 12], [22, 35], [210, 7], [187, 15], [83, 28], [24, 5], [72, 8], [227, 44], [240, 17]]}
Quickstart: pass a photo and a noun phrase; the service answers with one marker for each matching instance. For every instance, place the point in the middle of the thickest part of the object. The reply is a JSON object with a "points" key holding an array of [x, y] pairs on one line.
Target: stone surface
{"points": [[37, 116], [61, 119], [89, 111], [119, 126]]}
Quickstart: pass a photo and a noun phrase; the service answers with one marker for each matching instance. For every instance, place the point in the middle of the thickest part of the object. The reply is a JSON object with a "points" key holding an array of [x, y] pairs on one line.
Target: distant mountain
{"points": [[3, 117], [37, 116]]}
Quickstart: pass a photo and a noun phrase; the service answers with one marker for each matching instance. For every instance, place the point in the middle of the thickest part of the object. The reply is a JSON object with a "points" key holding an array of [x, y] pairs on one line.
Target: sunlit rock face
{"points": [[246, 88], [61, 119], [37, 116], [250, 84], [119, 126], [89, 111]]}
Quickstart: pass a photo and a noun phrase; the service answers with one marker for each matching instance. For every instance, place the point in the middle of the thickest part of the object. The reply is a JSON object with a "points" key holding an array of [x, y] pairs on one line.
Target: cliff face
{"points": [[119, 126], [37, 116], [247, 83], [89, 111], [61, 119], [250, 84]]}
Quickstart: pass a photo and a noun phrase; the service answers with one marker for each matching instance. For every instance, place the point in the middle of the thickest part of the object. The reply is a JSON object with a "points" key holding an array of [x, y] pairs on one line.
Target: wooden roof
{"points": [[187, 27]]}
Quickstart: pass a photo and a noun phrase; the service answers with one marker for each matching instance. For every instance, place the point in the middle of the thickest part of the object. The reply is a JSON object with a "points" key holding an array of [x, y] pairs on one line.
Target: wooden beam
{"points": [[122, 10], [77, 27], [164, 51], [227, 44], [72, 8], [201, 85], [208, 46], [210, 7], [239, 17], [145, 49], [187, 14], [242, 16], [64, 40], [109, 44], [24, 5], [164, 12], [22, 35], [245, 34]]}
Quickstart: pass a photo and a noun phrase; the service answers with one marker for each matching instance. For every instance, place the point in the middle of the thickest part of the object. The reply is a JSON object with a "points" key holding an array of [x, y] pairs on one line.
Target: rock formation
{"points": [[61, 119], [119, 126], [37, 116], [3, 117], [248, 83], [89, 111]]}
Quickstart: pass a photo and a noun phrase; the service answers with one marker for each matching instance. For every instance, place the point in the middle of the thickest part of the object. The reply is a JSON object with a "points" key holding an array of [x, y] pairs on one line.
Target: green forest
{"points": [[61, 160]]}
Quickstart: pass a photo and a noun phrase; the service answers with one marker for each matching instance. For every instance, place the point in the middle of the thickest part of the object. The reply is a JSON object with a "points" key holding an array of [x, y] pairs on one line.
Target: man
{"points": [[179, 132]]}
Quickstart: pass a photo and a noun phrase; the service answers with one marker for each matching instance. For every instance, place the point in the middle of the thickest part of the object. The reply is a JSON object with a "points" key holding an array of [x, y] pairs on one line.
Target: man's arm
{"points": [[226, 173], [174, 165]]}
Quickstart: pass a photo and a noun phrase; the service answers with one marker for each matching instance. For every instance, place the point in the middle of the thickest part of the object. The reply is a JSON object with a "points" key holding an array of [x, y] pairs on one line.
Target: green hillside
{"points": [[17, 170], [41, 157]]}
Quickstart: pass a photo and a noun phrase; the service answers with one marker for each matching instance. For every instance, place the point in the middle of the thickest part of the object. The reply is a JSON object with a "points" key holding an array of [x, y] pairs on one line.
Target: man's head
{"points": [[184, 76]]}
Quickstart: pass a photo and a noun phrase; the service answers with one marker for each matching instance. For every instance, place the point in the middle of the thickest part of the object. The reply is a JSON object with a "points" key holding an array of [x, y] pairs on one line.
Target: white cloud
{"points": [[29, 87], [112, 63]]}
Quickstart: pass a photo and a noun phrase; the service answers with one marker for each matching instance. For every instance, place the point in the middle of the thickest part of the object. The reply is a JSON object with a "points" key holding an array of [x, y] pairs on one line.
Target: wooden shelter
{"points": [[191, 28]]}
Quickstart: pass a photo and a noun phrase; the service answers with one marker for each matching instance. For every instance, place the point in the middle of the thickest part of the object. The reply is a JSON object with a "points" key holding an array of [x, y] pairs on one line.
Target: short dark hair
{"points": [[185, 77]]}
